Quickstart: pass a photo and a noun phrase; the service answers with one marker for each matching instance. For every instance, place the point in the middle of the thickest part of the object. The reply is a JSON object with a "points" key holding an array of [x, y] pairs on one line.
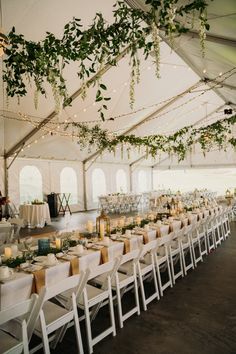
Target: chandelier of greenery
{"points": [[218, 134], [44, 62]]}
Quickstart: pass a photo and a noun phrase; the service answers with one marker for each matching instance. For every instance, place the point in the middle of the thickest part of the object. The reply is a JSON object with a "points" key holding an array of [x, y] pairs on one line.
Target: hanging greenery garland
{"points": [[218, 134], [44, 62]]}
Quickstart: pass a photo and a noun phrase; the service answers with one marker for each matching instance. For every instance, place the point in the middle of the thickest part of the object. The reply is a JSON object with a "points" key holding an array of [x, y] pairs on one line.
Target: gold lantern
{"points": [[228, 197], [103, 225], [227, 193], [3, 42]]}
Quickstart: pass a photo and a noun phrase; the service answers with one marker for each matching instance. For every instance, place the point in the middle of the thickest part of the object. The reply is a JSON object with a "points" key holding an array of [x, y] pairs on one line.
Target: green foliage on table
{"points": [[46, 252], [73, 243], [144, 222], [14, 262], [44, 62], [188, 208]]}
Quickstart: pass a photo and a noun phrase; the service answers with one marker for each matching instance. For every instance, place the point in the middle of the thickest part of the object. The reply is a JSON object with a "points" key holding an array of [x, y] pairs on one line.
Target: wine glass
{"points": [[29, 256], [28, 243], [65, 246]]}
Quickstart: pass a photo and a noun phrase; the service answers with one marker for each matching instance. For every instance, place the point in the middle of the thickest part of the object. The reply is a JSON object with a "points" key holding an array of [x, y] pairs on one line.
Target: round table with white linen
{"points": [[35, 215]]}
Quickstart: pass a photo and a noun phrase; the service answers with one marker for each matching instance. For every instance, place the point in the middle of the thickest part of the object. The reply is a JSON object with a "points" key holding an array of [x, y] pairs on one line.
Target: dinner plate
{"points": [[97, 247], [78, 254], [33, 268], [40, 259], [49, 264]]}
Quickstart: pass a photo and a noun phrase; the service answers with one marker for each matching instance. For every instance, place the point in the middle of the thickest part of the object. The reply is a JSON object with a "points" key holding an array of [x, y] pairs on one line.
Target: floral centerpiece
{"points": [[37, 202]]}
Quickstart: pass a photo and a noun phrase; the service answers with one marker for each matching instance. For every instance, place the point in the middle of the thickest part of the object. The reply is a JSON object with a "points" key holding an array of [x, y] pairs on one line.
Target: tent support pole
{"points": [[130, 179], [5, 177], [152, 169], [85, 188], [6, 187]]}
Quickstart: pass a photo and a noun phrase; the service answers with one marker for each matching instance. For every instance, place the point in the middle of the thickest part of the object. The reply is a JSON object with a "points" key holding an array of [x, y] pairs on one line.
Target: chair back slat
{"points": [[47, 293], [150, 246], [63, 285], [164, 239], [130, 256], [17, 310], [101, 269]]}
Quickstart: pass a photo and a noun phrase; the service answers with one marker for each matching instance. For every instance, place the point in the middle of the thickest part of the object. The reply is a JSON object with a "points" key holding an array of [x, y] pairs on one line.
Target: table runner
{"points": [[39, 275]]}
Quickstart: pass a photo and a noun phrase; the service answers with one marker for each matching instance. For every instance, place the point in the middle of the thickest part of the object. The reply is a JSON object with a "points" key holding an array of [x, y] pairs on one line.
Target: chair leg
{"points": [[77, 327], [182, 258], [136, 293], [155, 282], [172, 270], [119, 306], [45, 340], [142, 288], [159, 279], [169, 272], [88, 327], [25, 338], [112, 316]]}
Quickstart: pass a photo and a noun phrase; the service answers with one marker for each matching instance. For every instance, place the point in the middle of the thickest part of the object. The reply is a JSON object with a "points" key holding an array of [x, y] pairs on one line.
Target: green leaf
{"points": [[103, 86]]}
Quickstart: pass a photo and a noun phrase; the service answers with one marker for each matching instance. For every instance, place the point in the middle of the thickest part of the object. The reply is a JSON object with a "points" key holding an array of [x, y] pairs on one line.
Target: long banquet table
{"points": [[22, 284]]}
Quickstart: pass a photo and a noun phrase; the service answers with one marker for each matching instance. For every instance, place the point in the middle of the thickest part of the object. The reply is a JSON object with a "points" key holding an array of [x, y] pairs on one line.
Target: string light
{"points": [[64, 134]]}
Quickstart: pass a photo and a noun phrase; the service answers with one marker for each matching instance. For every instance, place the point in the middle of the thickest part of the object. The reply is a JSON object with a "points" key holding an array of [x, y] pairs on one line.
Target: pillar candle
{"points": [[14, 250], [138, 219], [90, 226], [7, 252], [102, 230], [58, 243], [121, 222]]}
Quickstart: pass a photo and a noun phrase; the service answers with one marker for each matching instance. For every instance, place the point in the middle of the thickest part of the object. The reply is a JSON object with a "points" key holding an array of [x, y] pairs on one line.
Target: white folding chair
{"points": [[210, 234], [162, 262], [10, 344], [49, 317], [201, 232], [147, 268], [226, 224], [196, 242], [186, 247], [217, 230], [221, 232], [175, 254], [93, 297], [124, 280]]}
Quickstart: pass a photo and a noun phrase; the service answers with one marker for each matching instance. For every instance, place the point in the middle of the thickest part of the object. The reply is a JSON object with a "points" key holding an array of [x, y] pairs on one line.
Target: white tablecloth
{"points": [[35, 215]]}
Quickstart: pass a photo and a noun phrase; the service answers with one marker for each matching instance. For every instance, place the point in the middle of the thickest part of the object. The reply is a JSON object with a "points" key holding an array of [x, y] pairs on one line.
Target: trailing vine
{"points": [[44, 62], [218, 134]]}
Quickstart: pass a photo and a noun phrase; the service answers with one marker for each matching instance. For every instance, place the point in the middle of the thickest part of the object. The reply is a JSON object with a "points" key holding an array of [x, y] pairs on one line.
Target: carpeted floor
{"points": [[197, 316]]}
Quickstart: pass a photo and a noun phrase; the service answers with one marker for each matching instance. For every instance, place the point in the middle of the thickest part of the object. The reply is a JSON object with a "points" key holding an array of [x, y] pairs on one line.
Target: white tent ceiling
{"points": [[180, 69]]}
